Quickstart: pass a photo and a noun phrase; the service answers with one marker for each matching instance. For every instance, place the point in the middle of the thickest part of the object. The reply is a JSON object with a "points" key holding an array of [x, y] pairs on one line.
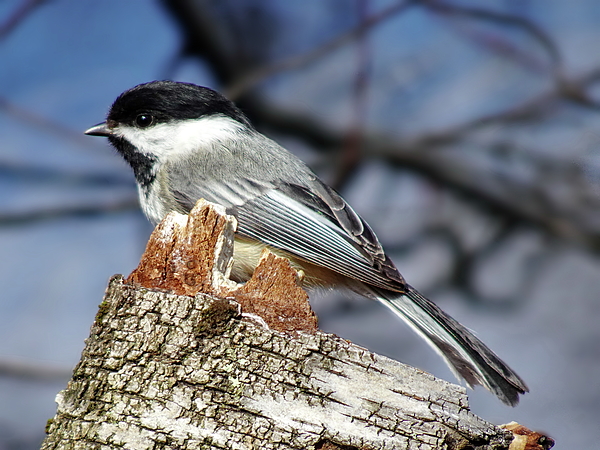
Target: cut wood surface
{"points": [[181, 357]]}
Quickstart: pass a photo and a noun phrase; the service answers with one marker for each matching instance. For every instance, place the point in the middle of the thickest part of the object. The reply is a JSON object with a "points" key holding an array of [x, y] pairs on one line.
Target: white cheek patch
{"points": [[166, 140]]}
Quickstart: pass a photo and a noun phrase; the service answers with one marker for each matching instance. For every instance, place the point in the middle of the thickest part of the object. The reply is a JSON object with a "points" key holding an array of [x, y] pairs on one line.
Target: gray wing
{"points": [[311, 222]]}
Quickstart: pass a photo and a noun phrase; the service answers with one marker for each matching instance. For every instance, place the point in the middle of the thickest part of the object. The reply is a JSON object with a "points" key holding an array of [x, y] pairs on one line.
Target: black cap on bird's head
{"points": [[170, 100], [165, 101]]}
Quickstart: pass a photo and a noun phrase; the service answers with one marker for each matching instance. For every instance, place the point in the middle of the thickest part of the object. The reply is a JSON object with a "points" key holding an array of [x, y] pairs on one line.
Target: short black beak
{"points": [[101, 129]]}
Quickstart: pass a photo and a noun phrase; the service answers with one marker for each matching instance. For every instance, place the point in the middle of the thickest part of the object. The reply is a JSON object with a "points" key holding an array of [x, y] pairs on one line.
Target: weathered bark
{"points": [[163, 370]]}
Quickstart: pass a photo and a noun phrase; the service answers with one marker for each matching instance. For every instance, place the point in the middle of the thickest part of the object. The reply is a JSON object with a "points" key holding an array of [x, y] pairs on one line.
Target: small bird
{"points": [[185, 142]]}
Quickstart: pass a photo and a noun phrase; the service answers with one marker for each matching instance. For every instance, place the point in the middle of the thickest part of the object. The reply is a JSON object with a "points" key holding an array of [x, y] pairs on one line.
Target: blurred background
{"points": [[465, 132]]}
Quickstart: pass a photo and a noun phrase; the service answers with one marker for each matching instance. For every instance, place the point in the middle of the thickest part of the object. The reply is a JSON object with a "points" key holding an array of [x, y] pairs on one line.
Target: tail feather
{"points": [[465, 354]]}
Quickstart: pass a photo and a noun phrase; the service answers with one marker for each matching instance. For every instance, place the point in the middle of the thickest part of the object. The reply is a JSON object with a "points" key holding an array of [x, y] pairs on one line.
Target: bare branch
{"points": [[42, 214], [36, 371], [249, 81], [526, 25], [207, 37], [351, 150], [43, 123], [524, 202], [532, 109], [18, 16], [51, 175]]}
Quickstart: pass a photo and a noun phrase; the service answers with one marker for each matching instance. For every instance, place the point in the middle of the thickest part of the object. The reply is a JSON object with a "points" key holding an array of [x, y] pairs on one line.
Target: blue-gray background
{"points": [[498, 224]]}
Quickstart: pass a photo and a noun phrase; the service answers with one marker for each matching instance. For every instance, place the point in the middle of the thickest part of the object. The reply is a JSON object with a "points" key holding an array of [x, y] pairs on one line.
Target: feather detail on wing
{"points": [[308, 220], [231, 194], [324, 198], [312, 234]]}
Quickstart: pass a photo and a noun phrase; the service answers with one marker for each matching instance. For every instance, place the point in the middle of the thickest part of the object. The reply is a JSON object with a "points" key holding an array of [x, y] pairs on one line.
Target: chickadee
{"points": [[185, 142]]}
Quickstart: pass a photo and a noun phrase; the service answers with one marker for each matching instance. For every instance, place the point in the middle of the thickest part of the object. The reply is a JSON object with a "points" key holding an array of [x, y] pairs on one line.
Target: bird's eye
{"points": [[144, 120]]}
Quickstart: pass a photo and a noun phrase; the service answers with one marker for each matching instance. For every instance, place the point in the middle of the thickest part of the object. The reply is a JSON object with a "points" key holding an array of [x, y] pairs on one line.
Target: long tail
{"points": [[467, 356]]}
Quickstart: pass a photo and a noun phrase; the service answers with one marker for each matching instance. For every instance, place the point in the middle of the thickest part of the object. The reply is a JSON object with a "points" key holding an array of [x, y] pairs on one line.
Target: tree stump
{"points": [[181, 357]]}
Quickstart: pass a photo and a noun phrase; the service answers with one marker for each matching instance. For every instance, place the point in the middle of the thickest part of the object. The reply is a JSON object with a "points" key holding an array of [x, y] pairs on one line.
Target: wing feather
{"points": [[285, 223], [305, 218]]}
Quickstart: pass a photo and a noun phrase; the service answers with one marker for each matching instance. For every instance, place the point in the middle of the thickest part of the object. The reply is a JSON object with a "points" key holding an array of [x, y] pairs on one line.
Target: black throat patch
{"points": [[142, 165]]}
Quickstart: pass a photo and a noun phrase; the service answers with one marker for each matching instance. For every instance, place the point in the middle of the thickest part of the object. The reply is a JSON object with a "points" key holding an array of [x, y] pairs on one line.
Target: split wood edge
{"points": [[180, 356]]}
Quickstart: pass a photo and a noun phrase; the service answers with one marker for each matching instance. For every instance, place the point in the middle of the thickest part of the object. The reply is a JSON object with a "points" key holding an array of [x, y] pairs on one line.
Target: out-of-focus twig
{"points": [[569, 89], [523, 23], [204, 36], [33, 370], [501, 44], [532, 109], [61, 212], [37, 174], [19, 15], [323, 138], [250, 80], [351, 150], [45, 124], [524, 202]]}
